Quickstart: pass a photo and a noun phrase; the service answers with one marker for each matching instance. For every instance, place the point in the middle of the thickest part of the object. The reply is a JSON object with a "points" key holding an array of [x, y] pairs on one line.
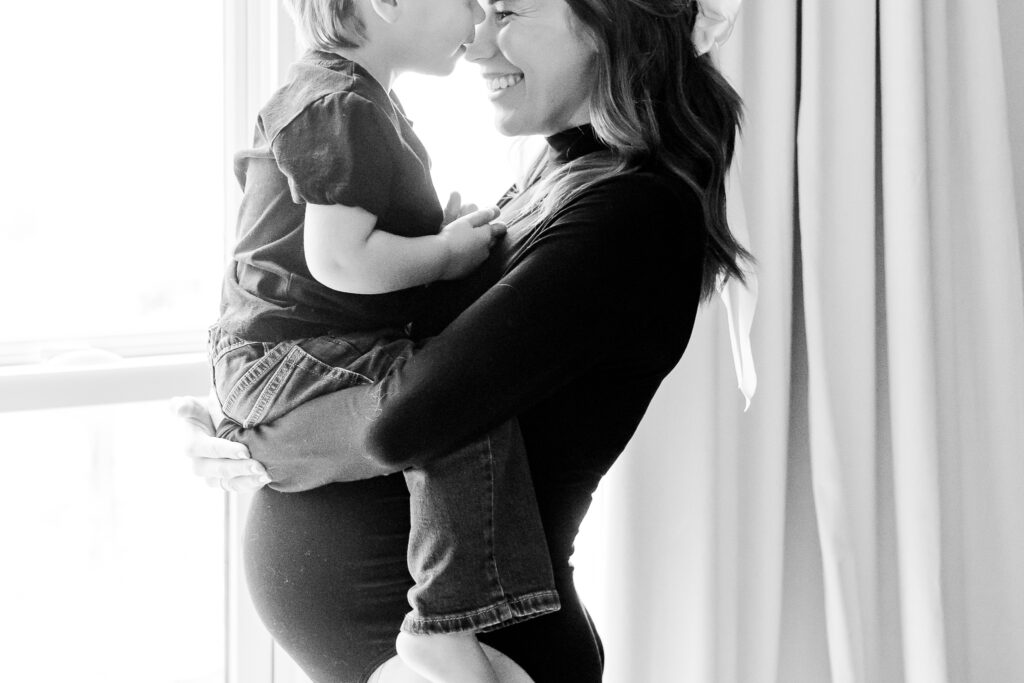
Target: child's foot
{"points": [[446, 657]]}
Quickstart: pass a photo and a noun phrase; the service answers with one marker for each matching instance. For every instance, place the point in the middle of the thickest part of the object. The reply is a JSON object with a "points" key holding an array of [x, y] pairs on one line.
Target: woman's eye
{"points": [[502, 17]]}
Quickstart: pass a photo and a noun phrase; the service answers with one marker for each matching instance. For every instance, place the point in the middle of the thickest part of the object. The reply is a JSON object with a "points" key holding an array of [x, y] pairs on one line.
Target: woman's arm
{"points": [[572, 293]]}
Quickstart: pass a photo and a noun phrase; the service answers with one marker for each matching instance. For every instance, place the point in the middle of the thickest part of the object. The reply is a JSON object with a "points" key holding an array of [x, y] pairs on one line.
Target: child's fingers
{"points": [[454, 203], [452, 209], [467, 209], [481, 217], [498, 229]]}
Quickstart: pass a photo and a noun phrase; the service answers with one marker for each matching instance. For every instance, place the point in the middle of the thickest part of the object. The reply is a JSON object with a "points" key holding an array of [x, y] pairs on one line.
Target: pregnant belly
{"points": [[327, 572]]}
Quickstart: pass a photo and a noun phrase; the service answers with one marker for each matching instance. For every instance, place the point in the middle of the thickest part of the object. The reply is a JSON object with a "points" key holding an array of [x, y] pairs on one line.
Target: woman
{"points": [[618, 233]]}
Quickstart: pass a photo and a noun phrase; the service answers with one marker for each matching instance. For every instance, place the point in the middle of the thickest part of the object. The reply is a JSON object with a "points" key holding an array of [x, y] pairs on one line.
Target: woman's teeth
{"points": [[503, 82]]}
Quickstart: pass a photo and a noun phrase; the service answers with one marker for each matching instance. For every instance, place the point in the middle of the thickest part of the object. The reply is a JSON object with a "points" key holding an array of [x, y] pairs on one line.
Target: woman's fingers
{"points": [[194, 412], [220, 468], [213, 407], [201, 445], [223, 464], [238, 484], [197, 432]]}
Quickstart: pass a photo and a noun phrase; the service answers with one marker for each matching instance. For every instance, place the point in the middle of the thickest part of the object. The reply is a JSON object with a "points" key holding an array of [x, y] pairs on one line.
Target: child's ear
{"points": [[388, 10]]}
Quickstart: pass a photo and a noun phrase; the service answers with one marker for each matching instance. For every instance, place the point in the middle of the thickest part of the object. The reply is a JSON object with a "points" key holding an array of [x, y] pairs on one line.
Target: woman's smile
{"points": [[498, 83], [533, 49]]}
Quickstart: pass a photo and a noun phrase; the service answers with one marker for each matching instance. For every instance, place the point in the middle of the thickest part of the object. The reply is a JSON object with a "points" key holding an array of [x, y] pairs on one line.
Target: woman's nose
{"points": [[478, 12], [483, 45]]}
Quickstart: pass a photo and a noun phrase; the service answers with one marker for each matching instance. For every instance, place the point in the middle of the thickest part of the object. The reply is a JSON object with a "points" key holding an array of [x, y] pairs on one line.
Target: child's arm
{"points": [[345, 253]]}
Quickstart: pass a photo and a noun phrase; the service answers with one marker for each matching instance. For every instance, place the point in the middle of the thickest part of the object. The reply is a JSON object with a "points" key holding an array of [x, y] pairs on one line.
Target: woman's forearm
{"points": [[319, 442], [563, 306]]}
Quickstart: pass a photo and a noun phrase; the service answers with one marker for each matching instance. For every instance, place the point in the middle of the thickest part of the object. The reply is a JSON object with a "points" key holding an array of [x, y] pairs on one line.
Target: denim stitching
{"points": [[492, 617], [219, 343], [269, 393], [224, 347], [538, 598], [307, 361], [490, 517], [256, 370], [296, 358], [250, 377]]}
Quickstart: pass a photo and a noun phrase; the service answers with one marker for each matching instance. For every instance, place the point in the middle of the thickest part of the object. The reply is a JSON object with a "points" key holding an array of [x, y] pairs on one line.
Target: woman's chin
{"points": [[505, 123], [510, 121]]}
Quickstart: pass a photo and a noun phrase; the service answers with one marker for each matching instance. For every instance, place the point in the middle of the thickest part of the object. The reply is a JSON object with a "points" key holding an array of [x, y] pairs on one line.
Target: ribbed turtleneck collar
{"points": [[573, 143]]}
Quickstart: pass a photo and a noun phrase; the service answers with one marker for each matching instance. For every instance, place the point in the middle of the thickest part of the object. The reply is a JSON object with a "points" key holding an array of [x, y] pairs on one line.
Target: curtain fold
{"points": [[863, 522], [835, 143], [913, 363], [694, 511]]}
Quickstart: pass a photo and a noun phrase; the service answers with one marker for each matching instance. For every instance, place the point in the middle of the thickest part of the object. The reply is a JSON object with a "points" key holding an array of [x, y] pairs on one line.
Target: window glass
{"points": [[113, 567], [112, 182]]}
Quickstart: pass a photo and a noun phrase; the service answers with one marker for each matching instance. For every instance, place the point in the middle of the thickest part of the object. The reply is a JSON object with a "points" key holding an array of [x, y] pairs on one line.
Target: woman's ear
{"points": [[388, 10]]}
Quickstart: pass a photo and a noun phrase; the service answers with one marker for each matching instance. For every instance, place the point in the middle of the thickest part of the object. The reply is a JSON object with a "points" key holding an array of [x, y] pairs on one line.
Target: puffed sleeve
{"points": [[339, 150]]}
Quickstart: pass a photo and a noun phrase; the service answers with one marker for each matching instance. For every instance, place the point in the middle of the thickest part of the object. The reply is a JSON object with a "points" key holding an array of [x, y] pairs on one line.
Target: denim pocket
{"points": [[258, 382]]}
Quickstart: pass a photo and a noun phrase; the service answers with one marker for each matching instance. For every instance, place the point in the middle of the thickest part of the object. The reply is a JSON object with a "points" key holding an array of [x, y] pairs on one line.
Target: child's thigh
{"points": [[257, 382]]}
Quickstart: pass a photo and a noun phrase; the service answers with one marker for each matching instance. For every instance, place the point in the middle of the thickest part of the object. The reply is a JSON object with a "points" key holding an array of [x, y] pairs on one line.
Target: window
{"points": [[117, 205], [112, 197], [112, 185], [113, 552]]}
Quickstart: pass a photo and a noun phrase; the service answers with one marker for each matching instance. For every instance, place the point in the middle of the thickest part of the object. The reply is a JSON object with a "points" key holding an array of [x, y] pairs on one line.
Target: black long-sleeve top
{"points": [[578, 320]]}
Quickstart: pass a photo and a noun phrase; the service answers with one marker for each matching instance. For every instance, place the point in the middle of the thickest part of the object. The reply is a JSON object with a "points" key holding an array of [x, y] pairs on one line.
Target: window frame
{"points": [[61, 373], [259, 44]]}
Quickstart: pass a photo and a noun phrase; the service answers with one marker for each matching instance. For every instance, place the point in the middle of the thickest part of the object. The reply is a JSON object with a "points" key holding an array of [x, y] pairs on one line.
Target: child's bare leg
{"points": [[446, 657]]}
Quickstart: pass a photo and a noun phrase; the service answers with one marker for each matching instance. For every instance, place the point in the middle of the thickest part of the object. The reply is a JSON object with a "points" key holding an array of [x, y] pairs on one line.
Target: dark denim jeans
{"points": [[477, 550]]}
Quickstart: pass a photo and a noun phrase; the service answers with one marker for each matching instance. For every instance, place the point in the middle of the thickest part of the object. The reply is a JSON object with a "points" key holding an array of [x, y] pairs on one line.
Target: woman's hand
{"points": [[222, 463]]}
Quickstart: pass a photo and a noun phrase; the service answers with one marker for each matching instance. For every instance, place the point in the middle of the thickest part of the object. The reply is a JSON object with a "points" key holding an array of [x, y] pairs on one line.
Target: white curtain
{"points": [[864, 521]]}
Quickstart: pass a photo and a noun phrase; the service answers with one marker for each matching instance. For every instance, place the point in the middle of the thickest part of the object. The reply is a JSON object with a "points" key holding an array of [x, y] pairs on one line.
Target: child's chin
{"points": [[444, 69], [447, 68]]}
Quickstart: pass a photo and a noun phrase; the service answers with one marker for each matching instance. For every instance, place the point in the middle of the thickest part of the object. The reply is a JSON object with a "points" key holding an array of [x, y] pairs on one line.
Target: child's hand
{"points": [[469, 240], [455, 209]]}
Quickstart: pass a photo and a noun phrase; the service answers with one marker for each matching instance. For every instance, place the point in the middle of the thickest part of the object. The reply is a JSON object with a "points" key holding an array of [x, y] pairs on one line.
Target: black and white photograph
{"points": [[512, 341]]}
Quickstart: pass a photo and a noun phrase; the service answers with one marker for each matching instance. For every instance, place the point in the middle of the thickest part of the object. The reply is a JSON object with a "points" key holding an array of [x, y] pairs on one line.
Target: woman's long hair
{"points": [[654, 100]]}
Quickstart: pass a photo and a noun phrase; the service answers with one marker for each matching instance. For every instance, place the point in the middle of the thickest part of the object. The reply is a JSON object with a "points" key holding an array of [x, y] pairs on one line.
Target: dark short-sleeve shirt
{"points": [[330, 135]]}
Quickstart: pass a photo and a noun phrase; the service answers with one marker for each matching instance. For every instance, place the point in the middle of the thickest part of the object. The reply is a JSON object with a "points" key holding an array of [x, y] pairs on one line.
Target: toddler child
{"points": [[339, 231]]}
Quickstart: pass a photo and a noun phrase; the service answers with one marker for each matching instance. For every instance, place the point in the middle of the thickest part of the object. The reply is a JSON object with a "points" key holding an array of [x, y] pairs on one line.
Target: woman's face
{"points": [[536, 64]]}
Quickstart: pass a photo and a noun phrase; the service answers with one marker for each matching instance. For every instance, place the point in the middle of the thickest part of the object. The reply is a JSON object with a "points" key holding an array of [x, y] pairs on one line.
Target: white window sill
{"points": [[100, 381]]}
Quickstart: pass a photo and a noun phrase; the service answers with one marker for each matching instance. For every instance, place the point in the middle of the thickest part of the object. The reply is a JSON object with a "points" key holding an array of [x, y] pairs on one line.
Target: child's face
{"points": [[438, 32]]}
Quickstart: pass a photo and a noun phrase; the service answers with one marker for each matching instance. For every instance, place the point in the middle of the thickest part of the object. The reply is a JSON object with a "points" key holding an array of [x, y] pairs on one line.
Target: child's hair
{"points": [[327, 24]]}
